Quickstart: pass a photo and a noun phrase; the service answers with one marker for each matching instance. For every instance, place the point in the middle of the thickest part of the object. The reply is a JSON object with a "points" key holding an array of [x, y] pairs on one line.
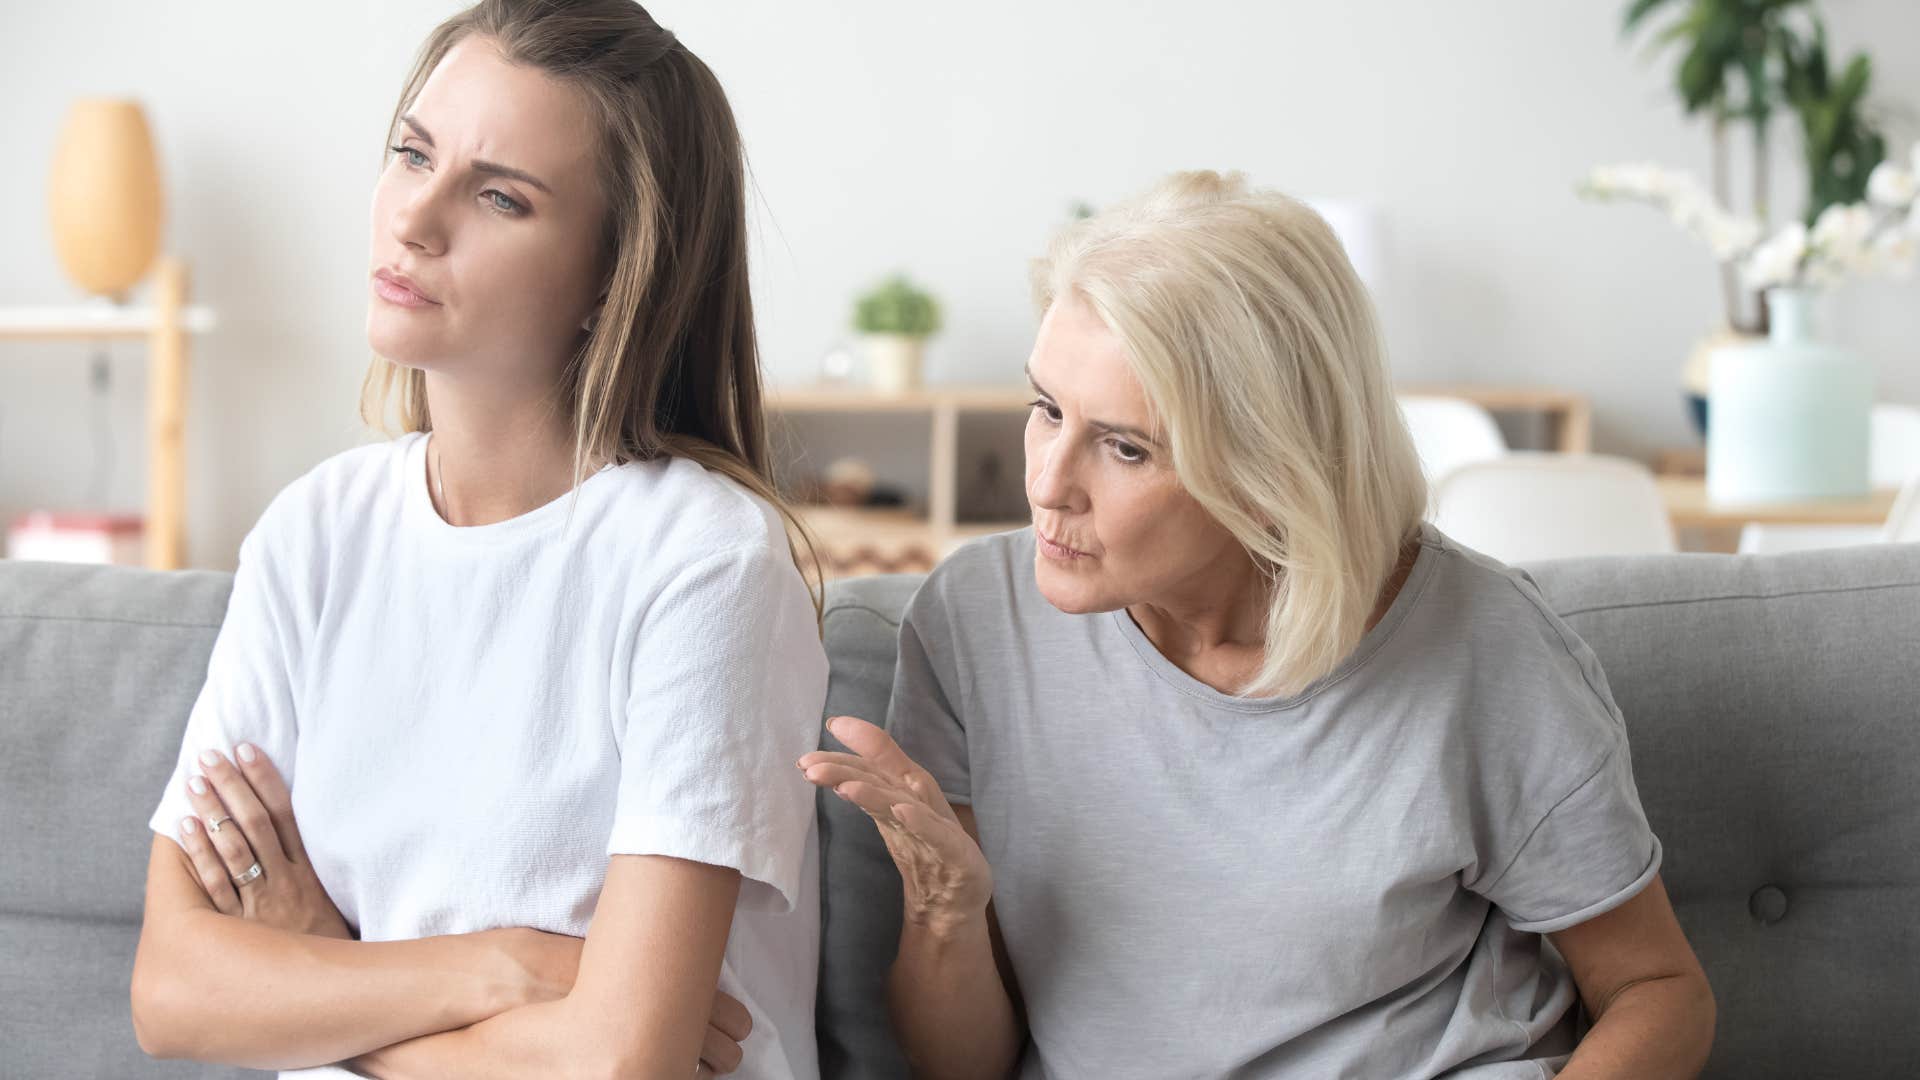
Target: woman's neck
{"points": [[1216, 631], [494, 457]]}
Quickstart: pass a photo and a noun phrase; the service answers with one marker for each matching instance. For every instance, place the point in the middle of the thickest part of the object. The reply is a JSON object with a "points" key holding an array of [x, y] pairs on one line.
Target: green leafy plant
{"points": [[896, 306], [1741, 61], [1841, 146]]}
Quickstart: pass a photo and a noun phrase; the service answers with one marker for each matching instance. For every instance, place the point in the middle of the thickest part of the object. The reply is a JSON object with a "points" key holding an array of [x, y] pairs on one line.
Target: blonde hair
{"points": [[671, 367], [1261, 359]]}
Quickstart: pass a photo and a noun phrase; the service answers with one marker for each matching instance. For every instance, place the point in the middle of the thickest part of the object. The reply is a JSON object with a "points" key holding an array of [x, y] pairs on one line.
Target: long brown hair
{"points": [[671, 367]]}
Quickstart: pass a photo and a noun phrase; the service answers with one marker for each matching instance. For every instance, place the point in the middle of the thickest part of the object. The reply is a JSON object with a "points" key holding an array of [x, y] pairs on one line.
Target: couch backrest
{"points": [[98, 667], [1773, 707]]}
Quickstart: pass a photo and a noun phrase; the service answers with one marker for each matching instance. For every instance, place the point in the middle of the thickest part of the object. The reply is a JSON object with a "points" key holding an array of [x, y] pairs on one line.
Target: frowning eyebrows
{"points": [[491, 168], [1098, 425]]}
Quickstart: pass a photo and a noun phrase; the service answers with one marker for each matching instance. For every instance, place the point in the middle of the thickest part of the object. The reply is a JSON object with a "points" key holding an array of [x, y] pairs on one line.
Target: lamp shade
{"points": [[104, 195]]}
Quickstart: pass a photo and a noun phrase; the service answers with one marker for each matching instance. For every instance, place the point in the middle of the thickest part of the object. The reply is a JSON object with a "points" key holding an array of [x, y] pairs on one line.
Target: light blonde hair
{"points": [[1261, 359], [671, 367]]}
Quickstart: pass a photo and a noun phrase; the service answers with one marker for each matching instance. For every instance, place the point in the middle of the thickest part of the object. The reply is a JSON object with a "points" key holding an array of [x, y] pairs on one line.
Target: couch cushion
{"points": [[98, 669], [1773, 706], [64, 983], [860, 891]]}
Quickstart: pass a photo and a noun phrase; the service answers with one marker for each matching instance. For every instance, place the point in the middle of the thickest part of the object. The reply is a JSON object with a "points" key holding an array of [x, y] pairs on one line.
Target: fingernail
{"points": [[188, 825], [832, 721], [245, 751], [197, 786], [209, 758]]}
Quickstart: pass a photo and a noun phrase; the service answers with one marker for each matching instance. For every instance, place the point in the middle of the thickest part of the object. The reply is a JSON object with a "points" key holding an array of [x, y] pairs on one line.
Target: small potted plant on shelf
{"points": [[895, 319]]}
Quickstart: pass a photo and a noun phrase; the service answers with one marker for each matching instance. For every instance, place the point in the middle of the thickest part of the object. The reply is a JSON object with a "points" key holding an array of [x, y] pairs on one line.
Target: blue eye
{"points": [[497, 201]]}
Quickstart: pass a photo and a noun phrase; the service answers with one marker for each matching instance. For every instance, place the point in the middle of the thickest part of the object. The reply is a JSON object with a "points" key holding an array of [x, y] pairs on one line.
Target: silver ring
{"points": [[251, 873], [214, 825]]}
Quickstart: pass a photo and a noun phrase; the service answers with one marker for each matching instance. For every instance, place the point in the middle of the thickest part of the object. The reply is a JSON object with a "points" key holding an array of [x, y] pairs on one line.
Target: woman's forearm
{"points": [[220, 989], [950, 1008], [646, 987], [1655, 1029], [551, 1038]]}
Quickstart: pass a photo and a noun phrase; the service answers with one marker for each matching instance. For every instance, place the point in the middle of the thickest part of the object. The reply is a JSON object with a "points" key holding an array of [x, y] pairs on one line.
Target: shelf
{"points": [[165, 325], [1569, 412], [91, 321], [869, 540], [859, 399], [866, 540]]}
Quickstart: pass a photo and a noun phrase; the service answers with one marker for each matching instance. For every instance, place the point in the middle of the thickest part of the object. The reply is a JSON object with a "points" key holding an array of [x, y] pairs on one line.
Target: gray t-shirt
{"points": [[1351, 882]]}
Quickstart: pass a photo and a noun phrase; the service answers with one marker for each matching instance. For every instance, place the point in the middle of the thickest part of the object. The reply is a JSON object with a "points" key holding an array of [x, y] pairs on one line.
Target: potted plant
{"points": [[895, 319], [1740, 63], [1789, 412]]}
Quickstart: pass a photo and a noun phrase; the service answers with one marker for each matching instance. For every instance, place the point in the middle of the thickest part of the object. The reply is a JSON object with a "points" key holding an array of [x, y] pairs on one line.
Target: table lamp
{"points": [[104, 196]]}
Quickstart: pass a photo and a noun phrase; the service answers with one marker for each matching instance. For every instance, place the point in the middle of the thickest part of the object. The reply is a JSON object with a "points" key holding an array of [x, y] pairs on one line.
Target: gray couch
{"points": [[1773, 703]]}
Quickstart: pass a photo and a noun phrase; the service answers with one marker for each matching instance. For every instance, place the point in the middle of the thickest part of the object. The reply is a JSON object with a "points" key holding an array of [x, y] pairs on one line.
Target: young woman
{"points": [[537, 670]]}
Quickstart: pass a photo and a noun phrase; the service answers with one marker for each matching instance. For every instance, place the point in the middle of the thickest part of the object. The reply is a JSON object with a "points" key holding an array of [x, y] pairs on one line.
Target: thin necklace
{"points": [[439, 487]]}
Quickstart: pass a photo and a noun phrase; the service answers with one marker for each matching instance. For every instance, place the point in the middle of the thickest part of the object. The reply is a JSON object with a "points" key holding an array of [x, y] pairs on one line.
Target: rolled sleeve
{"points": [[1592, 852], [727, 682]]}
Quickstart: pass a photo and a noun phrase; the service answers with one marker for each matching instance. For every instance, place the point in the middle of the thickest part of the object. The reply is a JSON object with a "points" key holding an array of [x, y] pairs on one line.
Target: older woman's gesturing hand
{"points": [[942, 870]]}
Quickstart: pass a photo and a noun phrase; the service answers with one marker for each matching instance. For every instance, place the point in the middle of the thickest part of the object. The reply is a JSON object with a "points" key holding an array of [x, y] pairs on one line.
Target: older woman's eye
{"points": [[1127, 453], [1046, 408]]}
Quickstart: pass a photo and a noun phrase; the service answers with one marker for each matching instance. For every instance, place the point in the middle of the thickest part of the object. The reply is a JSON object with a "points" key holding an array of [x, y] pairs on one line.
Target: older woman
{"points": [[1232, 765]]}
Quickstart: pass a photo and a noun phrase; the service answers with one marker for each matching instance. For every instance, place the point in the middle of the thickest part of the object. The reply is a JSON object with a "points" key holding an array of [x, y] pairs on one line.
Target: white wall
{"points": [[945, 139]]}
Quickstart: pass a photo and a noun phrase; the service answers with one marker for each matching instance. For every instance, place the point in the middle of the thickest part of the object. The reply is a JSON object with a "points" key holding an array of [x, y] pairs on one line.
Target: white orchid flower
{"points": [[1777, 260], [1891, 185], [1894, 253]]}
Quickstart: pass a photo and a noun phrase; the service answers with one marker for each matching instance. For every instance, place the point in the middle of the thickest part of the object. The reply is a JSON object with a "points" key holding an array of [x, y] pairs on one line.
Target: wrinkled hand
{"points": [[243, 819], [944, 874]]}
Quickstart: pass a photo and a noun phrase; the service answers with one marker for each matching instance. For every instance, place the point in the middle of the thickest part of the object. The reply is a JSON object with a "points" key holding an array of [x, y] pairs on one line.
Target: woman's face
{"points": [[1114, 525], [492, 210]]}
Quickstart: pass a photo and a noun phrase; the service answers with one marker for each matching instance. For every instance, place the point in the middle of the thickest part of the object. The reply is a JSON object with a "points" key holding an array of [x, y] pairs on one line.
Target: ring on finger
{"points": [[252, 872], [214, 825]]}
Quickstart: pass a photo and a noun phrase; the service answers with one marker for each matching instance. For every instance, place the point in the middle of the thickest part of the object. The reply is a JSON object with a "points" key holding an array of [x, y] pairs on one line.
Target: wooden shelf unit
{"points": [[865, 540], [165, 325]]}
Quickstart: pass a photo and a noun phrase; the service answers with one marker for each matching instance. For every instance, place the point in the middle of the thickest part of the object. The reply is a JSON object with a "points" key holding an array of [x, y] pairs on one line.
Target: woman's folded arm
{"points": [[228, 990], [648, 975]]}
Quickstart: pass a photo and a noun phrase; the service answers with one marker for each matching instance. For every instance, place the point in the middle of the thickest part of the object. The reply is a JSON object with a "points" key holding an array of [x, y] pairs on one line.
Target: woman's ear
{"points": [[593, 317]]}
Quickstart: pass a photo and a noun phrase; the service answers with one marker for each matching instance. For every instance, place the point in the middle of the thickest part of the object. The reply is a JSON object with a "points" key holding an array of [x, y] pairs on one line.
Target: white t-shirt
{"points": [[473, 719]]}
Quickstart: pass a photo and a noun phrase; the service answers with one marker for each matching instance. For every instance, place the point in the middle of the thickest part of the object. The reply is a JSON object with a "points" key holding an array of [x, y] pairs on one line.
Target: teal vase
{"points": [[1789, 414]]}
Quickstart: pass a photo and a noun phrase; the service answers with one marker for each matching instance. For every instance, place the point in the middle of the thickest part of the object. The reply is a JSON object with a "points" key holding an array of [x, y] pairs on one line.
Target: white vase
{"points": [[1788, 416], [894, 362]]}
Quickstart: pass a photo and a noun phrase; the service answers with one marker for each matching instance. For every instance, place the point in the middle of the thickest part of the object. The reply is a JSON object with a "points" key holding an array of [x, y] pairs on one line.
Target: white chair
{"points": [[1450, 432], [1893, 461], [1529, 506]]}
